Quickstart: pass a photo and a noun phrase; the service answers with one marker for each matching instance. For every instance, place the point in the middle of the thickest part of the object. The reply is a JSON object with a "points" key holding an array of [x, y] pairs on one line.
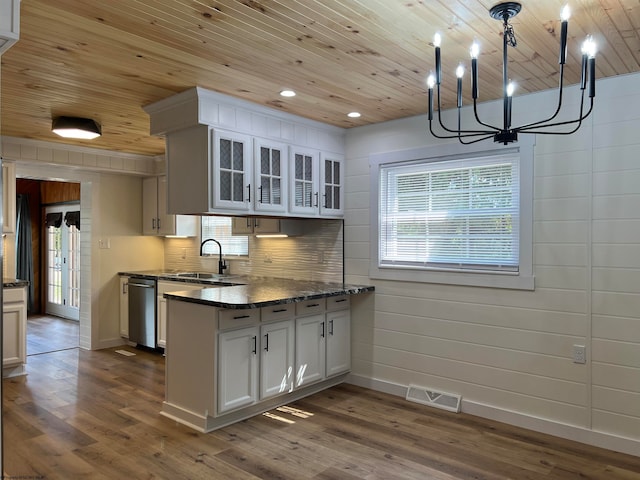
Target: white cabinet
{"points": [[310, 349], [237, 368], [332, 184], [316, 183], [14, 332], [276, 358], [161, 307], [303, 178], [322, 339], [232, 168], [124, 306], [270, 173], [155, 219], [8, 197], [338, 342]]}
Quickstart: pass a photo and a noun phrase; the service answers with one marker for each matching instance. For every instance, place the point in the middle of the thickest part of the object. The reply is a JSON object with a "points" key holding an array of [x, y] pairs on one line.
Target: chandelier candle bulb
{"points": [[564, 16], [475, 50], [460, 74], [430, 83], [436, 42]]}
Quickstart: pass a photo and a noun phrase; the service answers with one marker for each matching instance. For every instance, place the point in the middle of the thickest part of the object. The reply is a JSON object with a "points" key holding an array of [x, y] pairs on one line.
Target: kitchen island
{"points": [[237, 351]]}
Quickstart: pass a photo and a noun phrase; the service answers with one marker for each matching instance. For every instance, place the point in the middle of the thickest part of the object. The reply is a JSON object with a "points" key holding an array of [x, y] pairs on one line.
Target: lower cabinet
{"points": [[14, 332], [237, 368], [276, 358]]}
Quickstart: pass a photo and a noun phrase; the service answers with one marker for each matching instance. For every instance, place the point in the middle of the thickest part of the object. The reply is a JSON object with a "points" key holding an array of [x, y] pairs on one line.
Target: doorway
{"points": [[54, 312]]}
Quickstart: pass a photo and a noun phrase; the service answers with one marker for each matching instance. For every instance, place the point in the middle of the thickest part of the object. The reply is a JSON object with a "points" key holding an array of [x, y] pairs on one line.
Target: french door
{"points": [[63, 260]]}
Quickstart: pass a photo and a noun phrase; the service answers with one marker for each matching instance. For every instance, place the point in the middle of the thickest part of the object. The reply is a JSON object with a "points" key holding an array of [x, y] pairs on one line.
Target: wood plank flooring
{"points": [[81, 414], [46, 333]]}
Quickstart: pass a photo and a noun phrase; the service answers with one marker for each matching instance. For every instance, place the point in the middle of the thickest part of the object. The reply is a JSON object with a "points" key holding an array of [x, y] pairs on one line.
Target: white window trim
{"points": [[521, 280]]}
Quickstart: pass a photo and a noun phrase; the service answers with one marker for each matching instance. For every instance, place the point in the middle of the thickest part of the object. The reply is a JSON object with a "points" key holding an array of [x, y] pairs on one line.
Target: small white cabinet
{"points": [[270, 173], [254, 225], [124, 306], [303, 178], [332, 185], [155, 219], [237, 368], [338, 342], [8, 197], [232, 168], [276, 358], [310, 349], [14, 332]]}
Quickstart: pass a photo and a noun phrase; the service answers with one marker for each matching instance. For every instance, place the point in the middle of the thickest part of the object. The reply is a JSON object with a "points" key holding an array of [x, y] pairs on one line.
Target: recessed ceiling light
{"points": [[354, 114], [288, 93]]}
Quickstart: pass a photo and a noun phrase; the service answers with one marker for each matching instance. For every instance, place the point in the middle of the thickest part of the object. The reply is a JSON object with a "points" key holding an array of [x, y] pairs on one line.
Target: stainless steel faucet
{"points": [[222, 266]]}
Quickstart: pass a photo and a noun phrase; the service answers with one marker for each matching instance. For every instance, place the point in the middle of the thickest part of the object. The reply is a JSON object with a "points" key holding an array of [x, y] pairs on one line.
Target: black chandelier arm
{"points": [[560, 91], [460, 135], [457, 132], [475, 112], [558, 124]]}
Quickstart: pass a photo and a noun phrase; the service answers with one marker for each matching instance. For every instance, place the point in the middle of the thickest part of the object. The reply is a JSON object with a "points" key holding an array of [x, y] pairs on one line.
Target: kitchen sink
{"points": [[202, 275]]}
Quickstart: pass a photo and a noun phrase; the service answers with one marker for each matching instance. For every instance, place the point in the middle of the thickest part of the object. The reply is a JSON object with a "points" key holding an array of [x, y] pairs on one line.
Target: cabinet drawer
{"points": [[237, 318], [310, 307], [18, 294], [340, 302], [278, 312]]}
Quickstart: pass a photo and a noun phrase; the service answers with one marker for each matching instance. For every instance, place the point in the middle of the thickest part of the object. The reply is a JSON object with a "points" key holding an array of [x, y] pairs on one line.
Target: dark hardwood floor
{"points": [[81, 414], [46, 333]]}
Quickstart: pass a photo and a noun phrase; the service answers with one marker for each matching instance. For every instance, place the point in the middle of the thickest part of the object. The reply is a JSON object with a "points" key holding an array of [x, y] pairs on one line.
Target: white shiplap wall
{"points": [[509, 352]]}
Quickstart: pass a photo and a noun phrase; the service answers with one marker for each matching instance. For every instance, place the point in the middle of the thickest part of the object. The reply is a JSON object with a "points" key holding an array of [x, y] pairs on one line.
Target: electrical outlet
{"points": [[579, 354], [104, 243], [268, 258]]}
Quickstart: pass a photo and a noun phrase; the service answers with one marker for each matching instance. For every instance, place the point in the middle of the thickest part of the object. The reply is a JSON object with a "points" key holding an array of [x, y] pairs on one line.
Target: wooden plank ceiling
{"points": [[107, 59]]}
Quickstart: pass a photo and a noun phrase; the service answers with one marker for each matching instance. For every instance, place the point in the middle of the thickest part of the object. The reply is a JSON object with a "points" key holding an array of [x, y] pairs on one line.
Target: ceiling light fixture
{"points": [[76, 127], [287, 93], [354, 114], [507, 133]]}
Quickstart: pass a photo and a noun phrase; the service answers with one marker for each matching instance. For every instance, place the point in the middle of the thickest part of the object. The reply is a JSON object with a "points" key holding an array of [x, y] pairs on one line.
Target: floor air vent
{"points": [[433, 398]]}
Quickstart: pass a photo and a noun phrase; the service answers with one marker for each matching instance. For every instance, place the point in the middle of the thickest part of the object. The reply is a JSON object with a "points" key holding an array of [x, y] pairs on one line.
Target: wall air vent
{"points": [[434, 398]]}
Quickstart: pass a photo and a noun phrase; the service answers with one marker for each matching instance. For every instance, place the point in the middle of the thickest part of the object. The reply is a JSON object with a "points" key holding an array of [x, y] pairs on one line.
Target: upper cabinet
{"points": [[8, 197], [231, 157], [155, 219]]}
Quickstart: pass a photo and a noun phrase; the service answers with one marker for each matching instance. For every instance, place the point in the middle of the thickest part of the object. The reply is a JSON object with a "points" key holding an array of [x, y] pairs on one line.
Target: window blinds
{"points": [[460, 214]]}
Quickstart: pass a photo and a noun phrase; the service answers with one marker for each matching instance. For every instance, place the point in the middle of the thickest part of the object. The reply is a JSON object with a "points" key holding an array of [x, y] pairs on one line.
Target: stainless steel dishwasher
{"points": [[142, 312]]}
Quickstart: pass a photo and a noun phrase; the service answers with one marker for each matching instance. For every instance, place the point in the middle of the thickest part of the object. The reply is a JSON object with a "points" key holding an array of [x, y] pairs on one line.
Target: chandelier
{"points": [[507, 133]]}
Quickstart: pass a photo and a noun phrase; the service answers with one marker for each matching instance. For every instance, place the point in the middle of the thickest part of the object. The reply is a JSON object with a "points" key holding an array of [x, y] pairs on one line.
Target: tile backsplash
{"points": [[317, 255]]}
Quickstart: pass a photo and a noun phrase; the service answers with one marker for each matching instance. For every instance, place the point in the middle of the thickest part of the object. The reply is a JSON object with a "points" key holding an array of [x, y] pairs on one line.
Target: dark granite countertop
{"points": [[14, 283], [242, 292]]}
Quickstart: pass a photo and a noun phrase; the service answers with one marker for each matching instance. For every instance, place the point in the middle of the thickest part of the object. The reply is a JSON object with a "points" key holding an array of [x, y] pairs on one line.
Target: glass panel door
{"points": [[63, 266]]}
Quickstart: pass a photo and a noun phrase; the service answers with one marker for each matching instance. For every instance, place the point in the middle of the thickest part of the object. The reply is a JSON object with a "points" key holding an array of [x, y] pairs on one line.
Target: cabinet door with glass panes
{"points": [[232, 168], [270, 173], [303, 175], [331, 184]]}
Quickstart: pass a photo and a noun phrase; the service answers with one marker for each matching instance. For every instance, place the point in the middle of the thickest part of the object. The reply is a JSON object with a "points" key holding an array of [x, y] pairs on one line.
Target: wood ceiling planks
{"points": [[109, 59]]}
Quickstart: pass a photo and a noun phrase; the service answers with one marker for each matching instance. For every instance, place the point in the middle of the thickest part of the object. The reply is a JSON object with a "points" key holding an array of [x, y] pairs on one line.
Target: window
{"points": [[448, 217], [219, 228]]}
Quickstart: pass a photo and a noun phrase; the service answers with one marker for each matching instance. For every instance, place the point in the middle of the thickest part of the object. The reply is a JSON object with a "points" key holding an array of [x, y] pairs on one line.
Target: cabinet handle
{"points": [[153, 224], [316, 204], [266, 342], [280, 310], [125, 287], [313, 305], [341, 300], [255, 345], [331, 327], [322, 334], [158, 224], [248, 222], [324, 195], [260, 198], [249, 193], [240, 316]]}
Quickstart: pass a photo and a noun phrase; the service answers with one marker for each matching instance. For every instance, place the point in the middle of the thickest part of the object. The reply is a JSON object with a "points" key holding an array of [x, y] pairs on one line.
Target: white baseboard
{"points": [[112, 342], [542, 425]]}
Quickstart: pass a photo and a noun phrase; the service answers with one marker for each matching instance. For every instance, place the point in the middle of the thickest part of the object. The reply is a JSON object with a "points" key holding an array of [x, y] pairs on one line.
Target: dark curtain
{"points": [[72, 218], [24, 254]]}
